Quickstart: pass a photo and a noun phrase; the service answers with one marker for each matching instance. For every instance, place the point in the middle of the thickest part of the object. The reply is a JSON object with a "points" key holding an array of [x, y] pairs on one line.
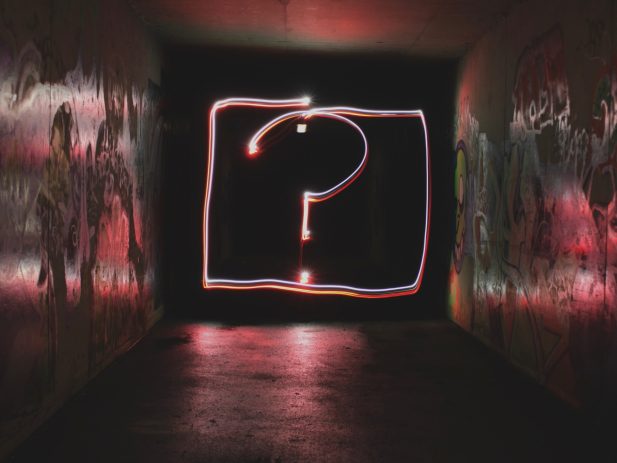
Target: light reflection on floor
{"points": [[314, 392], [280, 375]]}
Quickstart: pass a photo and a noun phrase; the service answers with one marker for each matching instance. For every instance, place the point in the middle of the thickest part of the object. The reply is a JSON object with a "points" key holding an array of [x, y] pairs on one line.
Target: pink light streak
{"points": [[341, 113]]}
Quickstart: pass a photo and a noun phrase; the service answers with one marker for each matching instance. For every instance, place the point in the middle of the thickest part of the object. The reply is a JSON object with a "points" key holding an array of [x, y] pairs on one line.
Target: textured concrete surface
{"points": [[436, 28], [397, 391]]}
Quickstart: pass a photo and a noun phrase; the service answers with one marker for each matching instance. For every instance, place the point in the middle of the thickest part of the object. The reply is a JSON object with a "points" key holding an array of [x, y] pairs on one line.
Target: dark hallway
{"points": [[308, 230]]}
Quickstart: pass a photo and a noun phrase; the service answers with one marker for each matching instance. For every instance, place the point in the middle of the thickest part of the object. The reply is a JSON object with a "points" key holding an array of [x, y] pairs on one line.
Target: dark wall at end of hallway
{"points": [[195, 78]]}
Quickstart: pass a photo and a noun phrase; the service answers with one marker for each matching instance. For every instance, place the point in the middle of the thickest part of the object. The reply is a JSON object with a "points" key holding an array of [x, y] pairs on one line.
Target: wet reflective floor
{"points": [[396, 391]]}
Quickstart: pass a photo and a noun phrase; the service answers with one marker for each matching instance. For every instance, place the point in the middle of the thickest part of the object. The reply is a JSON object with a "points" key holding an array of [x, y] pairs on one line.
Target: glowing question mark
{"points": [[303, 285], [309, 196]]}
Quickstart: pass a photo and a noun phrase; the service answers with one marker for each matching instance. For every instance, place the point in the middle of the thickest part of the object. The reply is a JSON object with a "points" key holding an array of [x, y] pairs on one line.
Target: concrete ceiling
{"points": [[444, 28]]}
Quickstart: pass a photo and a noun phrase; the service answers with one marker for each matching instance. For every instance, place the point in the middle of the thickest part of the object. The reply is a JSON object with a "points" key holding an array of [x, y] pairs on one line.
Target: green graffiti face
{"points": [[460, 183]]}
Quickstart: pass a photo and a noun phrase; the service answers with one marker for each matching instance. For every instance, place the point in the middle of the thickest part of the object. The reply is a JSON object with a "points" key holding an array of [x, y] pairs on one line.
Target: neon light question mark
{"points": [[313, 197], [338, 112]]}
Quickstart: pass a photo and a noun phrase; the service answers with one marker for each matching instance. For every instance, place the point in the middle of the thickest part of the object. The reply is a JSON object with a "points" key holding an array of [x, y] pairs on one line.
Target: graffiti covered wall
{"points": [[79, 164], [534, 268]]}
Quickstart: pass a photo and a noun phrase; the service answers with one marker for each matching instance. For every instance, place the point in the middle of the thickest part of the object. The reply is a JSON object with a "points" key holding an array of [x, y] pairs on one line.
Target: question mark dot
{"points": [[305, 276]]}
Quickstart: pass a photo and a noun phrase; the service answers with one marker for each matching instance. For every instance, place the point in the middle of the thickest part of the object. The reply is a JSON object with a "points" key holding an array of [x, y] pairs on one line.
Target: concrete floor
{"points": [[397, 391]]}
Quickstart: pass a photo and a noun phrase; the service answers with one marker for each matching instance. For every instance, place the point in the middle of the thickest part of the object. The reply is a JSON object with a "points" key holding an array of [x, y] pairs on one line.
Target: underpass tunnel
{"points": [[292, 230]]}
